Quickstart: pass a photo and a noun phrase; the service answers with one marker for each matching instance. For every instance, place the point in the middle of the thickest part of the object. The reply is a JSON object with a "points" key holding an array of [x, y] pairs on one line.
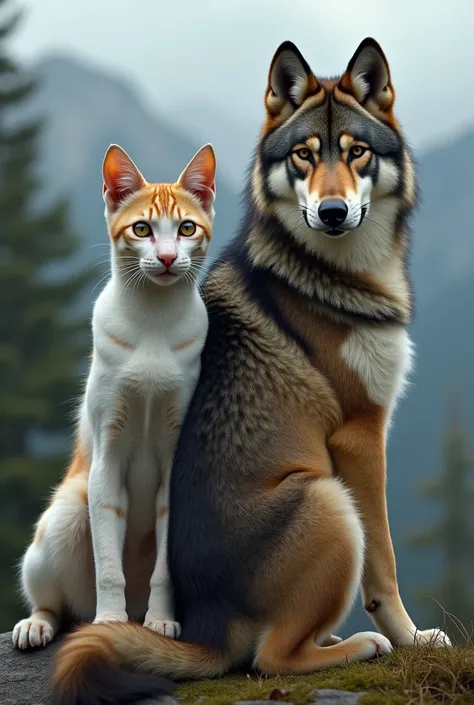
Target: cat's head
{"points": [[160, 230]]}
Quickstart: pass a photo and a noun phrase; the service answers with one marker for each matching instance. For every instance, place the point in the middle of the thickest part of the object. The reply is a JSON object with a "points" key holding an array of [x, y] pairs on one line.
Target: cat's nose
{"points": [[167, 260]]}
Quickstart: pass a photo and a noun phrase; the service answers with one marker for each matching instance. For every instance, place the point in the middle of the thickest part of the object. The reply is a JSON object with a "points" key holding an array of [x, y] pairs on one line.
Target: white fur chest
{"points": [[382, 359], [154, 367], [149, 346]]}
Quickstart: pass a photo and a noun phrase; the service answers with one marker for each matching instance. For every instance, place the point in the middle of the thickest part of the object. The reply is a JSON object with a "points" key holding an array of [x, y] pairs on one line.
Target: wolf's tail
{"points": [[116, 663]]}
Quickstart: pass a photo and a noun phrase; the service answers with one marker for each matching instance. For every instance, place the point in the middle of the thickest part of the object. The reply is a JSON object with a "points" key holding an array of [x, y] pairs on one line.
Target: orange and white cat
{"points": [[99, 551]]}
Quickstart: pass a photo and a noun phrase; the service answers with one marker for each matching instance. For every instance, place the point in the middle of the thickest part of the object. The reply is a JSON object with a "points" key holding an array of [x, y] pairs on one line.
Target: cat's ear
{"points": [[121, 176], [199, 176]]}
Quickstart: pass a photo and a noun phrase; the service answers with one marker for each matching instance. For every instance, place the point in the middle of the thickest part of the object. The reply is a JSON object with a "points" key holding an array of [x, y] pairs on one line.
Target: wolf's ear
{"points": [[121, 176], [367, 78], [290, 81], [199, 176]]}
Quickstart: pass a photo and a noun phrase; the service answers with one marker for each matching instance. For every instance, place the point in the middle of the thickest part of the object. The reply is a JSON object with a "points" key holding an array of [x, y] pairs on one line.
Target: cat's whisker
{"points": [[136, 278], [102, 279], [131, 278]]}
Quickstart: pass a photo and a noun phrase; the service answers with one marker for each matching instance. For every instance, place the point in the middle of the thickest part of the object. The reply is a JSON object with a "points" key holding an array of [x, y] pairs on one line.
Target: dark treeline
{"points": [[41, 343]]}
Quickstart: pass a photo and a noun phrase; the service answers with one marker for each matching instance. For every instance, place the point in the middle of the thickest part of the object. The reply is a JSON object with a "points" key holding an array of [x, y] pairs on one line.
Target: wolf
{"points": [[278, 508]]}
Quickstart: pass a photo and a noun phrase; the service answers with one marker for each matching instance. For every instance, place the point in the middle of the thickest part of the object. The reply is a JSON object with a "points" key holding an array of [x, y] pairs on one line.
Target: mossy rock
{"points": [[407, 677]]}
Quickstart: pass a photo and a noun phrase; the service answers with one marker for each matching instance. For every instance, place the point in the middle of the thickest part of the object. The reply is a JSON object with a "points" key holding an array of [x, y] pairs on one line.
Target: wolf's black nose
{"points": [[332, 212]]}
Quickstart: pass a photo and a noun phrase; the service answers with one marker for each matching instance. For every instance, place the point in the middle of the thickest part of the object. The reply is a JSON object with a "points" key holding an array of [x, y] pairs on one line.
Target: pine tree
{"points": [[453, 536], [41, 343]]}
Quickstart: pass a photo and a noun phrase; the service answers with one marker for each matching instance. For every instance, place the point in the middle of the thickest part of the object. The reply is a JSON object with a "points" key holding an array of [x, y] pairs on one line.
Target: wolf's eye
{"points": [[142, 229], [187, 228], [303, 153], [357, 151]]}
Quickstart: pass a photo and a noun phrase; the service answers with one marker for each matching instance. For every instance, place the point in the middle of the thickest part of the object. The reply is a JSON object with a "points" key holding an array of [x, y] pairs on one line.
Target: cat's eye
{"points": [[142, 229], [303, 153], [357, 151], [187, 228]]}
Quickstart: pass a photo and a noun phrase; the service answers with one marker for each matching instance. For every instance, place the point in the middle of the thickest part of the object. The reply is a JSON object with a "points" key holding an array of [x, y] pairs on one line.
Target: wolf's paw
{"points": [[165, 627], [32, 633], [369, 645], [432, 637]]}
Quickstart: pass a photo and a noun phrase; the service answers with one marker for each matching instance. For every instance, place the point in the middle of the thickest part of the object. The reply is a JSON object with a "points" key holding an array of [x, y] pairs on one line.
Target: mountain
{"points": [[443, 243], [87, 109], [233, 141]]}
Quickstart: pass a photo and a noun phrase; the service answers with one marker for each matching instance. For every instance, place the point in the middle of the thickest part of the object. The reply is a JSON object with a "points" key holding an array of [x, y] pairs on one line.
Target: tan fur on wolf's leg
{"points": [[329, 640], [320, 578], [306, 657], [358, 451]]}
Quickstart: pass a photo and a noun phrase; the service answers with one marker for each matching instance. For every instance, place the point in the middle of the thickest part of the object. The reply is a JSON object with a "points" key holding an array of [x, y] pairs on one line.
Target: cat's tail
{"points": [[117, 663]]}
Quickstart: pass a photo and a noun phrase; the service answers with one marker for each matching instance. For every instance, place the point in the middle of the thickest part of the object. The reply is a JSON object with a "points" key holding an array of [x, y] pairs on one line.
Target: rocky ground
{"points": [[409, 676], [24, 679]]}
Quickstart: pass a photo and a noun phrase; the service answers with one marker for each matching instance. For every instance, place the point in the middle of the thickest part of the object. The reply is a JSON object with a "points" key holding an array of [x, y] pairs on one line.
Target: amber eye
{"points": [[187, 228], [357, 151], [142, 229], [303, 153]]}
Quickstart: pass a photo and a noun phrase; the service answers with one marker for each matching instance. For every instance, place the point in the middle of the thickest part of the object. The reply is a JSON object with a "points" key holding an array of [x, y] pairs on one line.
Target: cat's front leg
{"points": [[160, 614], [108, 503]]}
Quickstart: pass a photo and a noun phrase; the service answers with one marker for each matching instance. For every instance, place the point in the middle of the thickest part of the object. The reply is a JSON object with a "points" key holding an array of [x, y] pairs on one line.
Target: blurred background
{"points": [[161, 79]]}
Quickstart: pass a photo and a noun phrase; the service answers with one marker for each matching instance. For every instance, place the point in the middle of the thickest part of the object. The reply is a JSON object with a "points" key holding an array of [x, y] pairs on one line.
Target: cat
{"points": [[108, 517]]}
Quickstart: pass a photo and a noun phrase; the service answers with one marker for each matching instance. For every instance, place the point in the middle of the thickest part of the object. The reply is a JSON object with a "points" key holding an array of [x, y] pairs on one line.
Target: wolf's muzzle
{"points": [[333, 212]]}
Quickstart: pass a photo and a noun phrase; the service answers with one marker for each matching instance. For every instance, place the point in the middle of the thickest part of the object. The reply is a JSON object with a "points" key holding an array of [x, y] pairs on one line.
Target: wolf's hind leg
{"points": [[325, 565]]}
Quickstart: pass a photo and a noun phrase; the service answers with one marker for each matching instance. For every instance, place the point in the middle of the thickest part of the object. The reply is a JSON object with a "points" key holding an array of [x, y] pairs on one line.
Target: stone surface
{"points": [[24, 680], [25, 675]]}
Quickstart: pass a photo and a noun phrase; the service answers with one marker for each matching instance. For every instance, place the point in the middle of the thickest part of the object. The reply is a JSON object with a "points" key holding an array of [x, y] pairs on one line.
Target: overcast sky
{"points": [[217, 52]]}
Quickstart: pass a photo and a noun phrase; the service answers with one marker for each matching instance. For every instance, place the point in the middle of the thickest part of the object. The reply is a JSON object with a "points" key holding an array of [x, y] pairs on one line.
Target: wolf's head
{"points": [[332, 165]]}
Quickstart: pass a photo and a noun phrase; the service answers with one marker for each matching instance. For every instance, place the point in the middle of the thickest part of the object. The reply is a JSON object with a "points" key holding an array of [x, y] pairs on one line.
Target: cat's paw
{"points": [[32, 633], [106, 617], [432, 637], [165, 627]]}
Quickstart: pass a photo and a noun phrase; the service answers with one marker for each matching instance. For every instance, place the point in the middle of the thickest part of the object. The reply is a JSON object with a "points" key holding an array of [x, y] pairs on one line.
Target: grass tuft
{"points": [[408, 676]]}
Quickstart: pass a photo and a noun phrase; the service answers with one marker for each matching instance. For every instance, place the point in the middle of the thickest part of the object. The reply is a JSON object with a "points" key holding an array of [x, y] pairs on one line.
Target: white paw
{"points": [[106, 617], [432, 637], [32, 633], [165, 627], [374, 645]]}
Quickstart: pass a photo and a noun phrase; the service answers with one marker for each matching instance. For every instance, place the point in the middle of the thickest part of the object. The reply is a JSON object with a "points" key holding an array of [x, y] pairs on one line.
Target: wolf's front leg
{"points": [[160, 614], [108, 503], [358, 451]]}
